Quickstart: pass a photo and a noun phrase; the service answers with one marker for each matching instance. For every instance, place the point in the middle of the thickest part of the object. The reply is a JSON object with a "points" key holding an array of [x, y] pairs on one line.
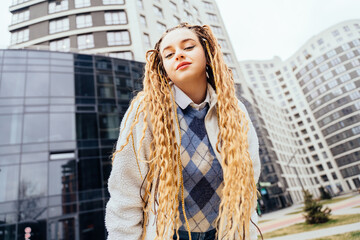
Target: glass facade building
{"points": [[59, 120]]}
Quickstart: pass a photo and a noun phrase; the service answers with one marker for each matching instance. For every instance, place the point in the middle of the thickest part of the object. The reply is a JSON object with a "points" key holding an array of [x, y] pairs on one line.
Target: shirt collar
{"points": [[183, 101]]}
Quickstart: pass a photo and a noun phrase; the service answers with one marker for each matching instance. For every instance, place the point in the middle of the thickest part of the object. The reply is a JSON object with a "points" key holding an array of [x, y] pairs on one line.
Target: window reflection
{"points": [[62, 84], [63, 179], [9, 180], [35, 128], [84, 85], [12, 84], [86, 126], [10, 129], [92, 225], [106, 91], [33, 180], [62, 126]]}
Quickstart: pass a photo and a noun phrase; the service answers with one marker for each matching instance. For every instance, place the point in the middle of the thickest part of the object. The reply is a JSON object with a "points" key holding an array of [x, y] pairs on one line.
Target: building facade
{"points": [[318, 92], [117, 28], [59, 120]]}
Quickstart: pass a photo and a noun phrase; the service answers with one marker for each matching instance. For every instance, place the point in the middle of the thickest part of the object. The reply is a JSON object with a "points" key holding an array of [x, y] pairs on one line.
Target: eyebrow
{"points": [[182, 41]]}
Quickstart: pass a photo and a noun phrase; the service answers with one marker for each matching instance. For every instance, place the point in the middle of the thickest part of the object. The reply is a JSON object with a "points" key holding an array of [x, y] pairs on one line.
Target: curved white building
{"points": [[318, 89]]}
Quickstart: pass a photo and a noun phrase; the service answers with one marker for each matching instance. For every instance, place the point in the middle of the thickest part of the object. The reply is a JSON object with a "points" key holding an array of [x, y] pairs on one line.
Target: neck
{"points": [[196, 92]]}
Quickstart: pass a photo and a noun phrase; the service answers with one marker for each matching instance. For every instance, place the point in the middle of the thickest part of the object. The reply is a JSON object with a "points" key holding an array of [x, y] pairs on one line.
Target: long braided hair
{"points": [[163, 182]]}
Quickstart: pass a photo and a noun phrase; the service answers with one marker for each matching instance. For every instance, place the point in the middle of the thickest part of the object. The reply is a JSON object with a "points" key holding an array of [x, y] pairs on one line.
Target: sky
{"points": [[260, 29]]}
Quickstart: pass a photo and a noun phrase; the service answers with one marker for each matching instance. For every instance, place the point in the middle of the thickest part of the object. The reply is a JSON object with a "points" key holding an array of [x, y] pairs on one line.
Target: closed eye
{"points": [[189, 48], [168, 55]]}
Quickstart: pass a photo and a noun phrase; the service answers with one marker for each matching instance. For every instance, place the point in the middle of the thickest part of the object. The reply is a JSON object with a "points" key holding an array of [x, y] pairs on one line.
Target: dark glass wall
{"points": [[59, 119]]}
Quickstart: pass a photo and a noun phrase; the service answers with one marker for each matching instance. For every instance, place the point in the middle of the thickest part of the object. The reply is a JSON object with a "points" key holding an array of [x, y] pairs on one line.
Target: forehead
{"points": [[176, 36]]}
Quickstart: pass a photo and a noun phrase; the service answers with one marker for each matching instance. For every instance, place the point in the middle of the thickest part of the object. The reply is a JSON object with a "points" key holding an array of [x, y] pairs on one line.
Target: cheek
{"points": [[167, 68]]}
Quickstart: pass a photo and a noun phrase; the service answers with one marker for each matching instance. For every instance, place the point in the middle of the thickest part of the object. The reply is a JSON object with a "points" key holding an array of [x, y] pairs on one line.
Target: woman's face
{"points": [[183, 57]]}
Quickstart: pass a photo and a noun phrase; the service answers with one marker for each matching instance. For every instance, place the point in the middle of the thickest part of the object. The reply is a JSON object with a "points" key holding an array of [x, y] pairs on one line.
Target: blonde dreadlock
{"points": [[163, 181]]}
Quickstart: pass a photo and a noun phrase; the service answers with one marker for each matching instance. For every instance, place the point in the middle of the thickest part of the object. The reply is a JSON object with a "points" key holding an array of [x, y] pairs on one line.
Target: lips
{"points": [[183, 65]]}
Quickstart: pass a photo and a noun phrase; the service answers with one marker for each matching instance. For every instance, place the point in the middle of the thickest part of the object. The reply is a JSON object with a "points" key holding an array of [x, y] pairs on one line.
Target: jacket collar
{"points": [[183, 101]]}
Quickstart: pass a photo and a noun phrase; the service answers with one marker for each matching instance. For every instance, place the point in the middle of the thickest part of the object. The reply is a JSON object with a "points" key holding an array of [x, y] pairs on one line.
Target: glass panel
{"points": [[12, 84], [9, 159], [92, 225], [109, 121], [62, 84], [34, 157], [33, 180], [38, 54], [35, 128], [8, 231], [37, 147], [63, 179], [15, 53], [62, 210], [62, 126], [62, 229], [86, 126], [106, 92], [9, 180], [84, 85], [33, 208], [89, 176], [10, 128]]}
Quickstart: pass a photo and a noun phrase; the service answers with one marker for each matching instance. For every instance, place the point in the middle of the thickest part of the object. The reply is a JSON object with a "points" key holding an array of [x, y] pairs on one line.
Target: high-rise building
{"points": [[315, 132], [117, 28], [59, 120]]}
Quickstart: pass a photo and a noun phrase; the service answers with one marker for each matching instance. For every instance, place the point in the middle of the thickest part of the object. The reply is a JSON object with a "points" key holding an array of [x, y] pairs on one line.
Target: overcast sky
{"points": [[261, 29]]}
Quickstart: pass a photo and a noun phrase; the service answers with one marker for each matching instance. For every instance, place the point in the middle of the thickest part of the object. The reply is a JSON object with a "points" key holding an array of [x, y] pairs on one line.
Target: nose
{"points": [[179, 54]]}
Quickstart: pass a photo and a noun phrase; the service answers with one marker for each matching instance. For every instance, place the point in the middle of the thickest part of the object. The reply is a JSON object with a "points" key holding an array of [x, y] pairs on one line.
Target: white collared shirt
{"points": [[183, 100]]}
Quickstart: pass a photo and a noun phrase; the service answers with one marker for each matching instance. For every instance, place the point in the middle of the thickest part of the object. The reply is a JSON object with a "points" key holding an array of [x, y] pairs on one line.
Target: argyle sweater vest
{"points": [[202, 172]]}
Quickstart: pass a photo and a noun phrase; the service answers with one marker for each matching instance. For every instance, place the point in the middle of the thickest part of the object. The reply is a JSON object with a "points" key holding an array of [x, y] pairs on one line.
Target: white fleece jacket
{"points": [[124, 213]]}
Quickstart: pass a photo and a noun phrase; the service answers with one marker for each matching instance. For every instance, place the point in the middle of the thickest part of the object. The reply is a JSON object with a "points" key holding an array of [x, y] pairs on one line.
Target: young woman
{"points": [[186, 161]]}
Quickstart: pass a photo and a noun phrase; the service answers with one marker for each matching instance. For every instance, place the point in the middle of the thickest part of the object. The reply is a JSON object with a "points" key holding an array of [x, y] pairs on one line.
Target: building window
{"points": [[223, 43], [118, 17], [147, 40], [228, 58], [217, 30], [158, 12], [83, 21], [235, 74], [58, 6], [208, 5], [161, 27], [334, 175], [346, 28], [82, 3], [212, 17], [196, 11], [59, 25], [143, 21], [173, 6], [62, 45], [20, 36], [20, 16], [16, 2], [140, 4], [176, 20], [123, 55], [320, 41], [186, 4], [189, 16], [85, 41], [335, 33], [108, 2], [118, 38]]}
